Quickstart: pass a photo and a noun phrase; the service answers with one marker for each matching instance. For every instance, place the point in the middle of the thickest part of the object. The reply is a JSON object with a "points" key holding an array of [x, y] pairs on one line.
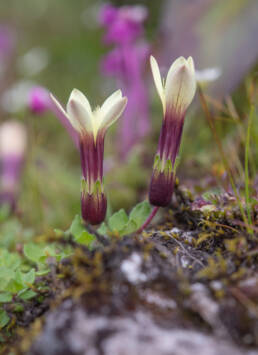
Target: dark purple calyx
{"points": [[164, 169], [93, 199]]}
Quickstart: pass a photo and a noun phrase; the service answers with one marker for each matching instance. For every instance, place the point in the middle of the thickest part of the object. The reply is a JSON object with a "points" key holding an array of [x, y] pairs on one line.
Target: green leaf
{"points": [[27, 294], [6, 275], [130, 227], [4, 318], [103, 229], [5, 297], [34, 252], [42, 272], [140, 213], [77, 228], [14, 286], [80, 234], [86, 239], [27, 278], [118, 221], [9, 260]]}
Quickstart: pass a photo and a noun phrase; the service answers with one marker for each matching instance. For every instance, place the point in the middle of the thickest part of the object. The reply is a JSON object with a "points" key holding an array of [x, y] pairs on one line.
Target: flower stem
{"points": [[148, 220], [247, 144]]}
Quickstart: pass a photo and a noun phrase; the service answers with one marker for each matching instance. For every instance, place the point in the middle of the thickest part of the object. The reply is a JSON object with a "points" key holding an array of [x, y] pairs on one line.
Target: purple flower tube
{"points": [[176, 94]]}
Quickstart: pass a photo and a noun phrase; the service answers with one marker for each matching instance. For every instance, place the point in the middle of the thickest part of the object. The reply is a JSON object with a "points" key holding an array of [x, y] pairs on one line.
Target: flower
{"points": [[91, 127], [126, 62], [39, 100], [13, 141], [176, 94], [123, 24]]}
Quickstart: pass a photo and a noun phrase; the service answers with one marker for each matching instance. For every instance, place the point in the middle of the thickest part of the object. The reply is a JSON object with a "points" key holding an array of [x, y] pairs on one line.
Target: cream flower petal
{"points": [[179, 62], [191, 64], [180, 89], [117, 95], [78, 113], [113, 113], [157, 80], [78, 96]]}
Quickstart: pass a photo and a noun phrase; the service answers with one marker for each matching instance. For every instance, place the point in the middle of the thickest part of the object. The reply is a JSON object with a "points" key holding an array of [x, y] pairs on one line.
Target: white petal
{"points": [[78, 96], [179, 62], [113, 113], [157, 80], [180, 89], [112, 99], [79, 112], [191, 64]]}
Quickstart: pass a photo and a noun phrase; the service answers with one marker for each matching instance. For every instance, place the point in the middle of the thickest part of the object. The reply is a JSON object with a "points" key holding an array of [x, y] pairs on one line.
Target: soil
{"points": [[186, 286]]}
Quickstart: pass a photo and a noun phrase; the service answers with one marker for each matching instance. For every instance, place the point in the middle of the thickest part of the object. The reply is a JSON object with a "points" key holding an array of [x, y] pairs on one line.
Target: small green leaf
{"points": [[140, 213], [6, 275], [77, 228], [9, 260], [27, 294], [86, 238], [103, 229], [14, 286], [27, 278], [42, 272], [34, 252], [4, 318], [5, 297], [130, 227], [118, 221]]}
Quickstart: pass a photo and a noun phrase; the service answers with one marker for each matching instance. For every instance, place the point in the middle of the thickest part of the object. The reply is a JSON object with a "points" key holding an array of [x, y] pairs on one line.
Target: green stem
{"points": [[222, 153], [247, 144]]}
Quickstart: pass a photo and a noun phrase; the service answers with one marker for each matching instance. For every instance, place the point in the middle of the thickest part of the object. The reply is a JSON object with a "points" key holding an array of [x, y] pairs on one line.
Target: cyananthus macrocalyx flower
{"points": [[91, 127], [176, 94]]}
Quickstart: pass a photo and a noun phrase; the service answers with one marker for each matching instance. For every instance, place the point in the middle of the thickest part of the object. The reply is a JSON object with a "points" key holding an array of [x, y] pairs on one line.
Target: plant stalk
{"points": [[247, 144], [148, 220]]}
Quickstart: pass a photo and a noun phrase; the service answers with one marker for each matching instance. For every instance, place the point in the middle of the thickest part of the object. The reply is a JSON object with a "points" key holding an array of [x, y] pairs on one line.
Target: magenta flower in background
{"points": [[13, 141], [124, 29], [39, 100], [124, 24]]}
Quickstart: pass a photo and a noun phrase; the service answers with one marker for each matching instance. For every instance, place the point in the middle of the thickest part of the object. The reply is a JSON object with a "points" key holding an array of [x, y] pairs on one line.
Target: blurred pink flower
{"points": [[126, 62], [123, 24], [39, 101]]}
